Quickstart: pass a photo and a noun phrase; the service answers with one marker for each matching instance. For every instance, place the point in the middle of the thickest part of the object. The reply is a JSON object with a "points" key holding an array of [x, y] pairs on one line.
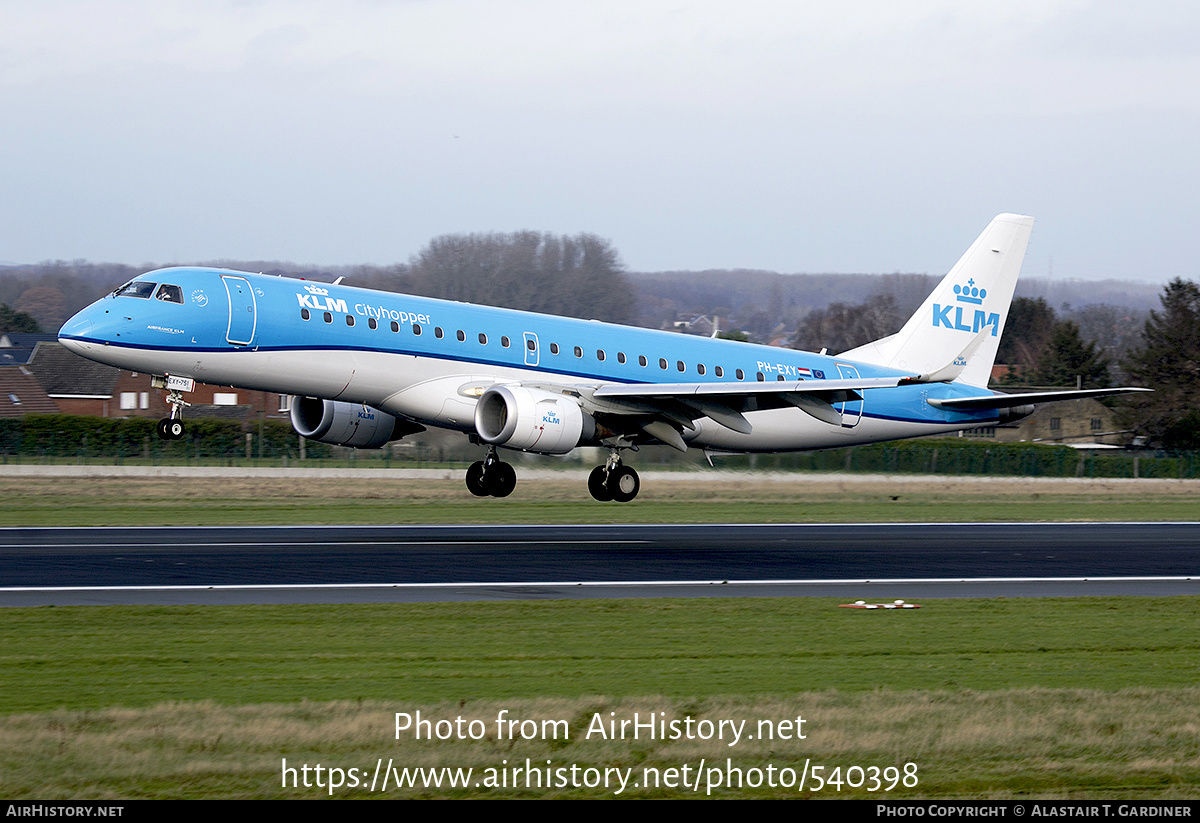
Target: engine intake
{"points": [[532, 420], [347, 424]]}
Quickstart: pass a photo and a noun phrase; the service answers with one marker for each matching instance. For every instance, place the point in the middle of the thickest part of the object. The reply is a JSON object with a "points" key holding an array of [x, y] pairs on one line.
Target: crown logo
{"points": [[321, 291], [969, 293]]}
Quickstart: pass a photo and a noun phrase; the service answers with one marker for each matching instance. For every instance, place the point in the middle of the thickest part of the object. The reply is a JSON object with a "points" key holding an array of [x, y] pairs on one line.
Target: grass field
{"points": [[1042, 698], [736, 498], [1000, 698]]}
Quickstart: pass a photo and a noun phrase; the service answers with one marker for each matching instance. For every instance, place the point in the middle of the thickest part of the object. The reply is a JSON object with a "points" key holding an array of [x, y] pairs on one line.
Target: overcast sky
{"points": [[791, 136]]}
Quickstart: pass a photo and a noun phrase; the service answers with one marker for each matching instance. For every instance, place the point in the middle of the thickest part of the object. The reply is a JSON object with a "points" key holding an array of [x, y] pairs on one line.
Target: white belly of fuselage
{"points": [[419, 388]]}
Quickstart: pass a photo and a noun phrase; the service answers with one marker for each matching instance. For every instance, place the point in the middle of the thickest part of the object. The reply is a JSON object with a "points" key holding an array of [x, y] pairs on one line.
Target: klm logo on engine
{"points": [[551, 418], [309, 301], [972, 295]]}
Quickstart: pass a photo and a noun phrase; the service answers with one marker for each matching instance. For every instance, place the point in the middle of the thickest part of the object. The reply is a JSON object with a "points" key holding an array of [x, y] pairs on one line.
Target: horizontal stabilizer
{"points": [[1008, 401]]}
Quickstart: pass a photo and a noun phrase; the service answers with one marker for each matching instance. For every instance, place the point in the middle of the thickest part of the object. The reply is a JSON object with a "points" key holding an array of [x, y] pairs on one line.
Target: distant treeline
{"points": [[582, 276]]}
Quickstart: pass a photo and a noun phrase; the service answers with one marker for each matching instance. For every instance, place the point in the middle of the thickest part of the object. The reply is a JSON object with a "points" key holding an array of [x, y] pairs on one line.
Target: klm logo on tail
{"points": [[966, 294]]}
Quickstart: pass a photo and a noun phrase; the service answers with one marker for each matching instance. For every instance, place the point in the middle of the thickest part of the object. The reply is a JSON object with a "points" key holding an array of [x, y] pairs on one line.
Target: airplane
{"points": [[366, 367]]}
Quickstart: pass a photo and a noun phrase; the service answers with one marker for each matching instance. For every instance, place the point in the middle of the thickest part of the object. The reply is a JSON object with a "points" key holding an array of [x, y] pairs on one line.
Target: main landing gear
{"points": [[171, 428], [613, 481], [491, 477]]}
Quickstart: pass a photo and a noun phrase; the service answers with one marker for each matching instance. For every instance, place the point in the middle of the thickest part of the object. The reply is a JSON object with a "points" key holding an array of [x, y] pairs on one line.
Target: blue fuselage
{"points": [[428, 360]]}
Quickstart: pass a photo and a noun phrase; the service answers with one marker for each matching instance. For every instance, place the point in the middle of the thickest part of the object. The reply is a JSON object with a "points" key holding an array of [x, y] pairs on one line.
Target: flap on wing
{"points": [[720, 401], [677, 405], [1008, 401]]}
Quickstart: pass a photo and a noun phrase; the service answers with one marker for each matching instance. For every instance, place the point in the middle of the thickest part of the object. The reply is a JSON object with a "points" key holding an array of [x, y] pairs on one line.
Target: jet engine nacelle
{"points": [[346, 424], [532, 420]]}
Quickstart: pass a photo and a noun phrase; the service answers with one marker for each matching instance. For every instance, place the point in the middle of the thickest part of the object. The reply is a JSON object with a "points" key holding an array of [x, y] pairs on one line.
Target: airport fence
{"points": [[133, 441]]}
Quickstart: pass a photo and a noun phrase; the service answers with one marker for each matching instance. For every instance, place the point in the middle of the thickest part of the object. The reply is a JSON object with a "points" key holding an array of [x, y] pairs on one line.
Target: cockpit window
{"points": [[137, 288], [169, 293]]}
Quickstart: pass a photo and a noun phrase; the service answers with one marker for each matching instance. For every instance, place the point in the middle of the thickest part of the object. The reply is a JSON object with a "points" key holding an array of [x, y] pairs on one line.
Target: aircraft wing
{"points": [[1008, 401], [746, 390], [661, 409]]}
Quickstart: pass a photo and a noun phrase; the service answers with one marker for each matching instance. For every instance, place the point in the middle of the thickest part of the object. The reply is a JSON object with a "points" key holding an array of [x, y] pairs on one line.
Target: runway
{"points": [[337, 564]]}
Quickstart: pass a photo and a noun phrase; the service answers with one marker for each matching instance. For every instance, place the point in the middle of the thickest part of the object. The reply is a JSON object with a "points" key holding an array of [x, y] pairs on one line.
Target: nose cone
{"points": [[78, 333]]}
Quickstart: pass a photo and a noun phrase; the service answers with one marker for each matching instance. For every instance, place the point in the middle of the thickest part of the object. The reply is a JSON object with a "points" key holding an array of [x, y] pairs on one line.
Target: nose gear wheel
{"points": [[171, 428]]}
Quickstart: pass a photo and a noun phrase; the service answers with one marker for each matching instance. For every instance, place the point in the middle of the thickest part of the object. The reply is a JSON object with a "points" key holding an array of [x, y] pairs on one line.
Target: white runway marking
{"points": [[594, 584], [291, 544]]}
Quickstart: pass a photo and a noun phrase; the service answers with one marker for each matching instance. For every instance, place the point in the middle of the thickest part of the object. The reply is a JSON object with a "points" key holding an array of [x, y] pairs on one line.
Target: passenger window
{"points": [[719, 371], [700, 368], [679, 365], [741, 375], [620, 357], [554, 348], [328, 317], [504, 342], [372, 323], [600, 354], [780, 378], [530, 343], [437, 332], [416, 329], [461, 335], [304, 314], [482, 339], [662, 362], [641, 359], [578, 352], [760, 377], [349, 320]]}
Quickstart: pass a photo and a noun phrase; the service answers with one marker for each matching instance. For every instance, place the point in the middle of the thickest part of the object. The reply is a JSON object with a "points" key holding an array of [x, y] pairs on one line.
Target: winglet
{"points": [[950, 372]]}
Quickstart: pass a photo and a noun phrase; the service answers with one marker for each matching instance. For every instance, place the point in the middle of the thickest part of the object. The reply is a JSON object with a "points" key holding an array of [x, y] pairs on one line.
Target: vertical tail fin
{"points": [[975, 294]]}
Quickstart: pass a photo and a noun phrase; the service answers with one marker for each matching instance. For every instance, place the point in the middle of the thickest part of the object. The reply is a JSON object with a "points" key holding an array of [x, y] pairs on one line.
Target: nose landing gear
{"points": [[171, 428]]}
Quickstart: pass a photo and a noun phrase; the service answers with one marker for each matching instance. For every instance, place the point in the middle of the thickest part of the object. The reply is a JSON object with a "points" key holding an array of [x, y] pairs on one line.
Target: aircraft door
{"points": [[243, 314], [531, 349], [851, 410]]}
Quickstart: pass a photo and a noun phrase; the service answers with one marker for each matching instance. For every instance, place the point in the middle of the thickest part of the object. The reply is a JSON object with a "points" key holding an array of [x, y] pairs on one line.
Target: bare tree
{"points": [[840, 326], [578, 275]]}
